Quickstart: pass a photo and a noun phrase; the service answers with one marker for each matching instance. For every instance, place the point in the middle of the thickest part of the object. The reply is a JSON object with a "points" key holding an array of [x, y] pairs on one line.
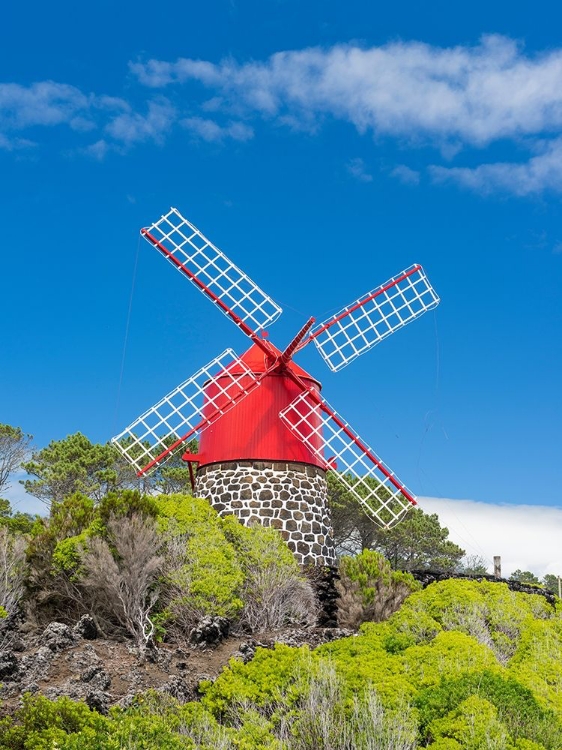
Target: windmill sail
{"points": [[163, 430], [234, 293], [379, 491], [373, 317]]}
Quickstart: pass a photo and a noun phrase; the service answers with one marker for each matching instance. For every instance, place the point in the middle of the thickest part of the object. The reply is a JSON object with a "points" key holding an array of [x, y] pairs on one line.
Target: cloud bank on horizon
{"points": [[458, 101], [526, 537]]}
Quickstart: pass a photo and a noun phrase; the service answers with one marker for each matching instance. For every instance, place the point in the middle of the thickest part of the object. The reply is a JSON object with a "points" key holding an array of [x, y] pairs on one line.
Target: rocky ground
{"points": [[75, 662]]}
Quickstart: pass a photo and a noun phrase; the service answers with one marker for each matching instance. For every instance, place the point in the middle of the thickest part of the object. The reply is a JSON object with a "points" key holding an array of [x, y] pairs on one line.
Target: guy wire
{"points": [[126, 339]]}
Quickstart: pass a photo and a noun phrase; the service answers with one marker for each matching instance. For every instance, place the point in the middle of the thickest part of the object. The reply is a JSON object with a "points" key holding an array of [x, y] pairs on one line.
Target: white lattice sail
{"points": [[381, 494], [211, 271], [361, 325], [185, 411]]}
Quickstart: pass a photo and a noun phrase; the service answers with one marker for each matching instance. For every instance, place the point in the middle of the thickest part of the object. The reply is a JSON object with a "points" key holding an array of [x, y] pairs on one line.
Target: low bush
{"points": [[217, 566], [140, 564], [202, 574], [275, 593], [13, 569], [121, 574], [369, 590]]}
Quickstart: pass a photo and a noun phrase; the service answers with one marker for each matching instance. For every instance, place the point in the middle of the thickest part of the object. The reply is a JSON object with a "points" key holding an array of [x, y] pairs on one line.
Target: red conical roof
{"points": [[252, 430]]}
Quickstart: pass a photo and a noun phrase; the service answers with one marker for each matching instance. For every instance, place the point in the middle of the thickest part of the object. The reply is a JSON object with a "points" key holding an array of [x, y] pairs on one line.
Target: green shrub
{"points": [[67, 554], [537, 663], [413, 678], [475, 724], [211, 575], [203, 574], [153, 722], [53, 593], [265, 681], [489, 612], [453, 651], [410, 626], [518, 708], [369, 590], [119, 503], [274, 592], [41, 724], [183, 514], [217, 566]]}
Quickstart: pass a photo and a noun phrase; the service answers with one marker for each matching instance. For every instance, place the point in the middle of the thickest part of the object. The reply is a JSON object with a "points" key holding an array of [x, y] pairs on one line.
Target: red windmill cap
{"points": [[256, 360]]}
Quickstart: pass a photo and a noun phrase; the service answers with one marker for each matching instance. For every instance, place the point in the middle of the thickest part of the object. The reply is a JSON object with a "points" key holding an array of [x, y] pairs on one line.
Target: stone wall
{"points": [[291, 497]]}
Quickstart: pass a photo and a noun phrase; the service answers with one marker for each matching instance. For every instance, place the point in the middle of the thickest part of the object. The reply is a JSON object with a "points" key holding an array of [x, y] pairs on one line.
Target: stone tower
{"points": [[290, 497]]}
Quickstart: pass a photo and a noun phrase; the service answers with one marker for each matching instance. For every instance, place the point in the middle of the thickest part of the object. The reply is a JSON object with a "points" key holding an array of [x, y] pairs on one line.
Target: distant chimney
{"points": [[497, 566]]}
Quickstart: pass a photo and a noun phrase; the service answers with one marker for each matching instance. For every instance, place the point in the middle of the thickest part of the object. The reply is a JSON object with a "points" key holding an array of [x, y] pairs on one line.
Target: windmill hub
{"points": [[266, 435]]}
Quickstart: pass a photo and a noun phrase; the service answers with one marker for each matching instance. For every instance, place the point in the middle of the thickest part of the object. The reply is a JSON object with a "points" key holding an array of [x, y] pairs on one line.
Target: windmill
{"points": [[266, 435]]}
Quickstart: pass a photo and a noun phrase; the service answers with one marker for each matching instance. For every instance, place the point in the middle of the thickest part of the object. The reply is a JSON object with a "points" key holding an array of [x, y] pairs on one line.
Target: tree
{"points": [[353, 529], [75, 464], [473, 565], [418, 541], [174, 477], [551, 582], [14, 449], [20, 523]]}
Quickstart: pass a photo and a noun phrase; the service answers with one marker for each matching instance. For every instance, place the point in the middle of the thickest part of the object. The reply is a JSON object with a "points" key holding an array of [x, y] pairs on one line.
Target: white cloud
{"points": [[406, 175], [450, 97], [453, 98], [132, 127], [14, 144], [43, 103], [98, 150], [356, 168], [542, 172], [209, 130], [52, 104], [82, 124], [527, 537], [214, 104], [158, 73], [476, 94], [110, 103]]}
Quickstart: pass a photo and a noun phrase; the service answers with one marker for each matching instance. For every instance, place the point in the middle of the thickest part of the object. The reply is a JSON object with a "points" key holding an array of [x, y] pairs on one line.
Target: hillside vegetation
{"points": [[462, 664]]}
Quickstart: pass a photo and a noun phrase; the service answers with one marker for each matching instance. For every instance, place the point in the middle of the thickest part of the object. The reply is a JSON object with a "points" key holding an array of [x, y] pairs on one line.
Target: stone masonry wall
{"points": [[291, 497]]}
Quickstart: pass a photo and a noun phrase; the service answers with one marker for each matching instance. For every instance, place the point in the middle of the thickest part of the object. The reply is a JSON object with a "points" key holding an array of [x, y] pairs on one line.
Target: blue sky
{"points": [[324, 147]]}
